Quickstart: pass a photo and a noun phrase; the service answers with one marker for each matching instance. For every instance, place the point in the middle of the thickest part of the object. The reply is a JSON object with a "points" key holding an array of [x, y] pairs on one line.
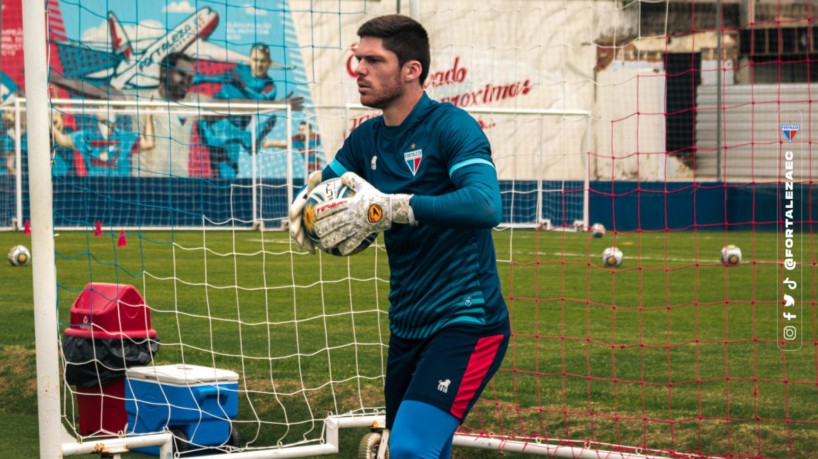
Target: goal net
{"points": [[681, 127]]}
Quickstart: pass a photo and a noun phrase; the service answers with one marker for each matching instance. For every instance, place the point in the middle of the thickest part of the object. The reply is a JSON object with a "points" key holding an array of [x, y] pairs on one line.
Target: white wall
{"points": [[543, 52], [752, 145], [630, 128]]}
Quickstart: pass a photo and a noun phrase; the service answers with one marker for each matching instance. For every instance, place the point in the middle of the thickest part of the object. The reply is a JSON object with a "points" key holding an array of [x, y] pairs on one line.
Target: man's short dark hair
{"points": [[262, 48], [170, 62], [403, 36]]}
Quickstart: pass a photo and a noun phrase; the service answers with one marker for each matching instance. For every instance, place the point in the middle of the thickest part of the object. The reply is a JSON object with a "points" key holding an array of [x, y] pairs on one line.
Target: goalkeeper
{"points": [[423, 174]]}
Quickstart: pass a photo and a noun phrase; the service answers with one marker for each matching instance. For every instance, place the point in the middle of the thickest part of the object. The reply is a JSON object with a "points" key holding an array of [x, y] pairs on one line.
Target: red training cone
{"points": [[98, 229], [27, 227], [122, 242]]}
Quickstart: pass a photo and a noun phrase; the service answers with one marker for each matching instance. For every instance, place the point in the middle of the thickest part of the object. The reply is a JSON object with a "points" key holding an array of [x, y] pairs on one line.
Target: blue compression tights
{"points": [[422, 431]]}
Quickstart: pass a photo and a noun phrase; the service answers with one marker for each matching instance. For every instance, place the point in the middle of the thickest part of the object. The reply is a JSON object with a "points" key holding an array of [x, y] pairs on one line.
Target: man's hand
{"points": [[235, 79], [368, 211], [296, 103], [297, 209]]}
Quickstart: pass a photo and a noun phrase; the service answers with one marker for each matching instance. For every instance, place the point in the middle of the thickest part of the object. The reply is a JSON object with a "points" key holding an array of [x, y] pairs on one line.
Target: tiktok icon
{"points": [[790, 332]]}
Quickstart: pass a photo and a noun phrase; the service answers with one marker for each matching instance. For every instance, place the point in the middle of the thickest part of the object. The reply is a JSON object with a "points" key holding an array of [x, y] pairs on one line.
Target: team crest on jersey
{"points": [[412, 159]]}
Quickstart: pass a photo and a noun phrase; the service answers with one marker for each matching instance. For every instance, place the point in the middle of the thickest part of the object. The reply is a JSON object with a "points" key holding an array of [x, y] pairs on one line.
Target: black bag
{"points": [[91, 362]]}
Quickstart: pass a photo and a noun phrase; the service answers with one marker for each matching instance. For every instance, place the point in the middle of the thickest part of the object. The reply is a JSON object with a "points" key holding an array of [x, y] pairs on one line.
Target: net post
{"points": [[254, 178], [414, 9], [586, 193], [18, 163], [289, 147], [42, 240]]}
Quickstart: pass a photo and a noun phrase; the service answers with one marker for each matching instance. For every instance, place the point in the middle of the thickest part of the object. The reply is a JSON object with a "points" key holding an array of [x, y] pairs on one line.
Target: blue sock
{"points": [[422, 431]]}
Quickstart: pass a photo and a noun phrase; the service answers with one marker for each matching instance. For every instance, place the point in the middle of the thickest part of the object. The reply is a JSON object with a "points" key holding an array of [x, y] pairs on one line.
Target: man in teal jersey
{"points": [[423, 174], [229, 139], [105, 144]]}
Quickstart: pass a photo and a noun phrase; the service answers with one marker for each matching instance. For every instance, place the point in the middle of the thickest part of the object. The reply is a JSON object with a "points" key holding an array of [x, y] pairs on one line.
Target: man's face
{"points": [[302, 131], [8, 119], [259, 63], [379, 75], [106, 117], [180, 78], [56, 120]]}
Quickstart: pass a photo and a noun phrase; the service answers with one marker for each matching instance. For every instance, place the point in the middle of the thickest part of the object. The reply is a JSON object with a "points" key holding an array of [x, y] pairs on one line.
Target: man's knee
{"points": [[405, 447]]}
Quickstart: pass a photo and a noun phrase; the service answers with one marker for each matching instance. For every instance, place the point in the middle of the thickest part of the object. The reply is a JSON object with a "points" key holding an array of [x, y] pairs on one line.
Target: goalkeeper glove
{"points": [[368, 211], [297, 209]]}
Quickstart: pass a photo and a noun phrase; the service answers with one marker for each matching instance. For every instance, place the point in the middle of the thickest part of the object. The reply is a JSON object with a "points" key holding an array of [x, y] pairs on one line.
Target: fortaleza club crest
{"points": [[412, 159], [789, 131]]}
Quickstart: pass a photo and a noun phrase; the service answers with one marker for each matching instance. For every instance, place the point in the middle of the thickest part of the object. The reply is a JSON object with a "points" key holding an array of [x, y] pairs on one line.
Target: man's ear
{"points": [[412, 71]]}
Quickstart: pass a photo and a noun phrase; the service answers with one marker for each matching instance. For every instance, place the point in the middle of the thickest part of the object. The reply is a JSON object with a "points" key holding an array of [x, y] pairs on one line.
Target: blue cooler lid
{"points": [[182, 374]]}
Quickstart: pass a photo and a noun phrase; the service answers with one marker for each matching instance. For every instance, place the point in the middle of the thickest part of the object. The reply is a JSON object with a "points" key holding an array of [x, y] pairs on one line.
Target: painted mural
{"points": [[177, 52]]}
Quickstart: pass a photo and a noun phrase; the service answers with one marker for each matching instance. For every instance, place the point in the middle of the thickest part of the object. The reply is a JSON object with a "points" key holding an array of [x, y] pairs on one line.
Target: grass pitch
{"points": [[671, 351]]}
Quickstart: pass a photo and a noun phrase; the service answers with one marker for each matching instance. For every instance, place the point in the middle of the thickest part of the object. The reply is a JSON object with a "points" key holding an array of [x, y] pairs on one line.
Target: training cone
{"points": [[98, 229], [122, 242], [27, 227]]}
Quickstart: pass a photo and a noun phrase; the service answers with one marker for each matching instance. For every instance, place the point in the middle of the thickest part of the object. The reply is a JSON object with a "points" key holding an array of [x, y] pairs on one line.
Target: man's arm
{"points": [[85, 88], [8, 162], [475, 204], [60, 137], [147, 139]]}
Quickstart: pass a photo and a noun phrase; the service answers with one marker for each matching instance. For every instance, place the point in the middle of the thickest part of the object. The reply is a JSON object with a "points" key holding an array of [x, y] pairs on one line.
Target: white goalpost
{"points": [[549, 184], [174, 317], [43, 273]]}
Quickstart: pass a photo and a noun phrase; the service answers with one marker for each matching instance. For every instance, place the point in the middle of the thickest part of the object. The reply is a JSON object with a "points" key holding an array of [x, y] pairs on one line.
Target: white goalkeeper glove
{"points": [[368, 211], [297, 209]]}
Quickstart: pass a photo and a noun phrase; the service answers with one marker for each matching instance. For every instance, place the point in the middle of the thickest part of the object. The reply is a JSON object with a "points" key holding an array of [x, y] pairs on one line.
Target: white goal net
{"points": [[186, 319]]}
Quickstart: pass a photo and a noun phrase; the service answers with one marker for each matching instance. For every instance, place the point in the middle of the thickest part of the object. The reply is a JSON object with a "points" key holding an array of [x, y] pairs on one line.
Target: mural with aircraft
{"points": [[120, 65], [113, 50]]}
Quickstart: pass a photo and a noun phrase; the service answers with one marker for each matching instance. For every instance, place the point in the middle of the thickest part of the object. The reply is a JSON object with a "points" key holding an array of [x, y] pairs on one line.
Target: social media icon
{"points": [[790, 333], [788, 300]]}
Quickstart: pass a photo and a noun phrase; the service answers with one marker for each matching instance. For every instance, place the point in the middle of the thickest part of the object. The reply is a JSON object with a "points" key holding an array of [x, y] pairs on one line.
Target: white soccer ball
{"points": [[730, 255], [612, 257], [323, 195], [19, 255], [598, 230]]}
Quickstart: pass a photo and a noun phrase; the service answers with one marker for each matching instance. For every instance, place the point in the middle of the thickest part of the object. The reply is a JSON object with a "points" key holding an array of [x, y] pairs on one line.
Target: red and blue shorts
{"points": [[448, 370]]}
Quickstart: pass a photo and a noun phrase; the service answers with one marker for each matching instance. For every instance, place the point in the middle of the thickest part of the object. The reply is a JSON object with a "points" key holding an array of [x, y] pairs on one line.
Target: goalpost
{"points": [[546, 182], [173, 314]]}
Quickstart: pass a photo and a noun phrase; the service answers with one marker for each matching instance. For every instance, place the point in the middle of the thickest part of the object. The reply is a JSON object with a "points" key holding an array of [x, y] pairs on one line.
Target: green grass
{"points": [[671, 351]]}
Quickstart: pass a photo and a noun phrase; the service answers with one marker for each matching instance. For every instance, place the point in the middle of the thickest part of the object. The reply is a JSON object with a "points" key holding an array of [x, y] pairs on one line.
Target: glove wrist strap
{"points": [[402, 212]]}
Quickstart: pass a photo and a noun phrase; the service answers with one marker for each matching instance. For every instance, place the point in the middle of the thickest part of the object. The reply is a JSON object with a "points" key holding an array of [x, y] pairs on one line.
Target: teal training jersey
{"points": [[441, 274]]}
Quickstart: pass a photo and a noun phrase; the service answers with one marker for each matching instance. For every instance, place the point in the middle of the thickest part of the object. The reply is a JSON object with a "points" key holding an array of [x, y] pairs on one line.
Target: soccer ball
{"points": [[730, 255], [598, 230], [321, 198], [19, 255], [612, 257]]}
